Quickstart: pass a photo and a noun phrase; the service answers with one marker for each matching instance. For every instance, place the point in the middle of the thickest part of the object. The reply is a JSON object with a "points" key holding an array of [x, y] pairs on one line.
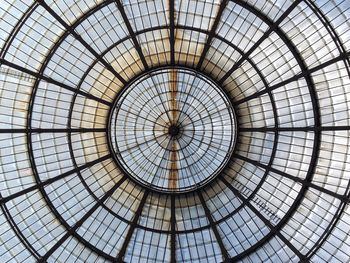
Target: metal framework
{"points": [[175, 131]]}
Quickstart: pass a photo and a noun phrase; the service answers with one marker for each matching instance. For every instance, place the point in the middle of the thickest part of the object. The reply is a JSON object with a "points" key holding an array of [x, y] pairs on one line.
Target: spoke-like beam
{"points": [[131, 33], [273, 229], [55, 82], [291, 177], [272, 27], [172, 31], [81, 40], [303, 74], [132, 227], [53, 179], [212, 33], [173, 231], [54, 130], [316, 142], [81, 221], [214, 228], [294, 129]]}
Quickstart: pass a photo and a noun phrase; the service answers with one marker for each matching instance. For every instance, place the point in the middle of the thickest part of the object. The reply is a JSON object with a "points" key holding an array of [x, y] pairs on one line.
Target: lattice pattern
{"points": [[261, 89]]}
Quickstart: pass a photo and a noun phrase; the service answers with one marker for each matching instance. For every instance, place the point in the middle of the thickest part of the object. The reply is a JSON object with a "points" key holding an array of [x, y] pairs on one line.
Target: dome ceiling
{"points": [[174, 131]]}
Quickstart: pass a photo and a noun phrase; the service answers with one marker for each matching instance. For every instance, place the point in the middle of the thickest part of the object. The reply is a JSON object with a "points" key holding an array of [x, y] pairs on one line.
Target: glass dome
{"points": [[174, 131]]}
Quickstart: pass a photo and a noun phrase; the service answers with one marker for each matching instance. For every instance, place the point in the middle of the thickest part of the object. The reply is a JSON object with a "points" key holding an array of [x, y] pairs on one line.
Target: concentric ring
{"points": [[173, 130], [82, 81]]}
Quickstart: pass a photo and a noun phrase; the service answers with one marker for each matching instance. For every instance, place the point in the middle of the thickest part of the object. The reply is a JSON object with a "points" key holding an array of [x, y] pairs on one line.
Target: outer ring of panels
{"points": [[275, 230]]}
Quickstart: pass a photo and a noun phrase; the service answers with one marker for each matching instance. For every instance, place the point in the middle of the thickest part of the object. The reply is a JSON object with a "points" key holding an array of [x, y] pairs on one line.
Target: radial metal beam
{"points": [[211, 35], [173, 231], [172, 31], [53, 130], [272, 27], [131, 33], [55, 82], [291, 177], [81, 221], [303, 74], [132, 227], [316, 142], [82, 41], [295, 129], [273, 229], [214, 228], [53, 179]]}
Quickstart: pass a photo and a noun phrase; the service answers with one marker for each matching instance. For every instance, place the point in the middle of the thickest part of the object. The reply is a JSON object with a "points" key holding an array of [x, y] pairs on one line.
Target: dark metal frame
{"points": [[316, 129], [113, 110]]}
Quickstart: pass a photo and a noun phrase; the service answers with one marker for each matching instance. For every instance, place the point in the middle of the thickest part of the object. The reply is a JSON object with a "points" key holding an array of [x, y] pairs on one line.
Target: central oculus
{"points": [[172, 130]]}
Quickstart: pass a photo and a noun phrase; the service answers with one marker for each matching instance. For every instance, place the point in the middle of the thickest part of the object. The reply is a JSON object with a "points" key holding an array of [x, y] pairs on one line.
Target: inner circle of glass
{"points": [[172, 130]]}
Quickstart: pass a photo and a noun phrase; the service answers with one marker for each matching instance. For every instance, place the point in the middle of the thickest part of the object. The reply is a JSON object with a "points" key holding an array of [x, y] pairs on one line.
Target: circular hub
{"points": [[172, 130]]}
